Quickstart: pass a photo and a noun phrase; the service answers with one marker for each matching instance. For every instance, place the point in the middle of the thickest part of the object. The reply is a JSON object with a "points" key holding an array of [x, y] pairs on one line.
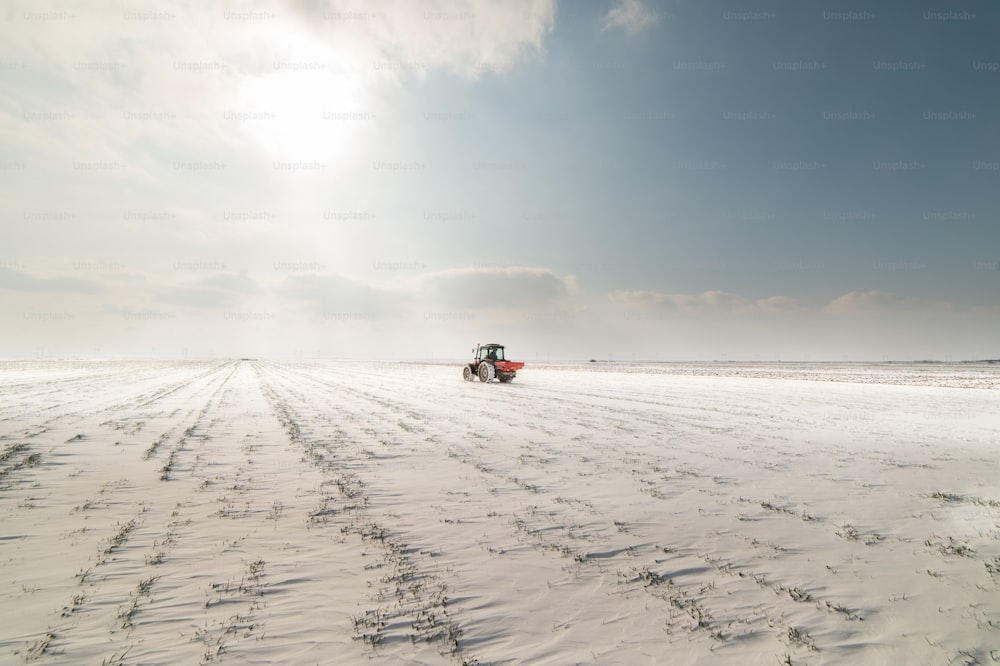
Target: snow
{"points": [[389, 512]]}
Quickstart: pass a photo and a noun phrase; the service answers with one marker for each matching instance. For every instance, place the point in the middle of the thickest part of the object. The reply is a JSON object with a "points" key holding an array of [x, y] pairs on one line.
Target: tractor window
{"points": [[498, 353]]}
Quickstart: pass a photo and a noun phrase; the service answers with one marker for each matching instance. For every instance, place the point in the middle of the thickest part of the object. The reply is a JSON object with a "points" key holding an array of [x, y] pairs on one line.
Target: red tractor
{"points": [[489, 363]]}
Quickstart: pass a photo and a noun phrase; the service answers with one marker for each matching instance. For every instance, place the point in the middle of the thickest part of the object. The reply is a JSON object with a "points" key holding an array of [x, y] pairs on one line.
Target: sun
{"points": [[306, 104]]}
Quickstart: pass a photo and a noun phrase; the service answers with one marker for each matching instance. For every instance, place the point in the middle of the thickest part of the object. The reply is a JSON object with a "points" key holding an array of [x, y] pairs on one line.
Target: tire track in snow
{"points": [[410, 601], [563, 526], [104, 596], [694, 601]]}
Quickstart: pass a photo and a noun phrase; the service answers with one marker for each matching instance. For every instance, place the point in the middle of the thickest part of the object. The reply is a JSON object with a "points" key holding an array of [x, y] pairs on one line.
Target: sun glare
{"points": [[307, 105]]}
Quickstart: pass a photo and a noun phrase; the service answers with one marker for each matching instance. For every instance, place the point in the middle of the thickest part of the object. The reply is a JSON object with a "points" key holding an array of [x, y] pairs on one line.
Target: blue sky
{"points": [[616, 179]]}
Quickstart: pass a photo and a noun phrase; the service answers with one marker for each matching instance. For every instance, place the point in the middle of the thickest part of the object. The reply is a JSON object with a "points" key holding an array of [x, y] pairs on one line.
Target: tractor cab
{"points": [[491, 352]]}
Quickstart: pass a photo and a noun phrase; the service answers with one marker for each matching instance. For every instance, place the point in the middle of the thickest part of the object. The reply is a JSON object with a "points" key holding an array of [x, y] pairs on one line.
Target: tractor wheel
{"points": [[467, 374], [486, 372]]}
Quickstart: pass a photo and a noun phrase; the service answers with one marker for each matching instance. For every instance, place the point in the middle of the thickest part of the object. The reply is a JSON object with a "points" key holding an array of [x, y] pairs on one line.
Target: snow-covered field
{"points": [[349, 512]]}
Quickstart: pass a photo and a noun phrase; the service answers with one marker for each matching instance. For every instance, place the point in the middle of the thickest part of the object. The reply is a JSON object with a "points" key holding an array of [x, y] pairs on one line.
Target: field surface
{"points": [[387, 513]]}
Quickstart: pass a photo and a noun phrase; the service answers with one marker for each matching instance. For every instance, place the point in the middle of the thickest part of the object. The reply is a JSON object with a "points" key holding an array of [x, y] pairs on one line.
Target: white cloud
{"points": [[875, 302], [461, 289], [778, 305], [241, 283], [397, 37], [196, 297], [862, 302], [708, 301], [212, 292], [632, 16], [479, 288], [334, 295], [25, 282]]}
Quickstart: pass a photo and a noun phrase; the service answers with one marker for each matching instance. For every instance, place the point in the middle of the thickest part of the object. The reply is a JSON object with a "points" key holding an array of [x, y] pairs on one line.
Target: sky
{"points": [[608, 179]]}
